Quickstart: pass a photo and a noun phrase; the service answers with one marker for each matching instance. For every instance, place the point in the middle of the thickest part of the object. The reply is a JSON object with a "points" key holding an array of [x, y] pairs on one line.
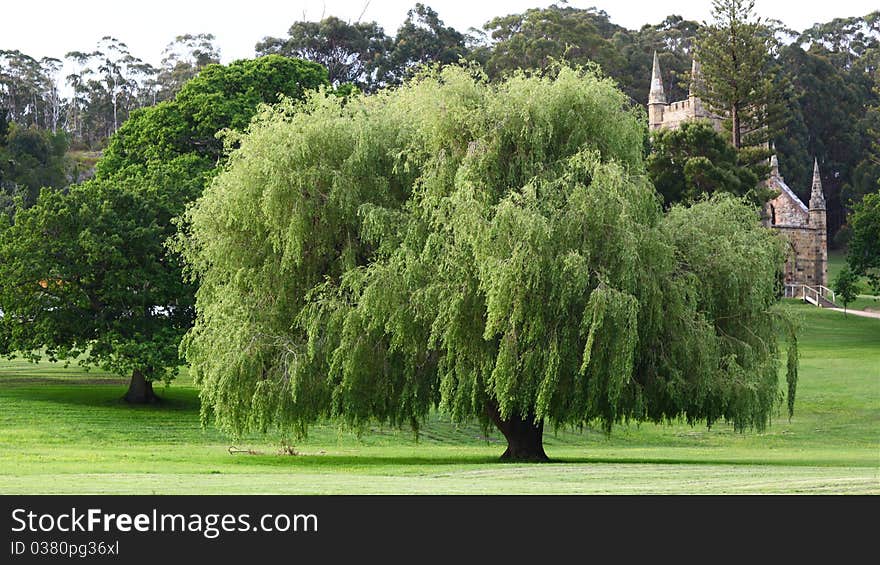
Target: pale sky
{"points": [[54, 27]]}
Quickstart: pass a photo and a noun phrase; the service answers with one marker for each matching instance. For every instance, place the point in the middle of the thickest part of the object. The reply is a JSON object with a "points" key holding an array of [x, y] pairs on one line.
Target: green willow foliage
{"points": [[473, 246]]}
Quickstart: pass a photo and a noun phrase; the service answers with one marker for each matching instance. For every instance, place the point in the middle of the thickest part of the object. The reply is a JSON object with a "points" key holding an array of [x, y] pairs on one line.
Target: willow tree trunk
{"points": [[525, 436], [140, 390]]}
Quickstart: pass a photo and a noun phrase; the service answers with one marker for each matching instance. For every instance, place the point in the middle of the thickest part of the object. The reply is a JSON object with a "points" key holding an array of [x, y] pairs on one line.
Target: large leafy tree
{"points": [[864, 245], [84, 275], [423, 39], [492, 249], [694, 161], [537, 37], [220, 97], [351, 53], [87, 274]]}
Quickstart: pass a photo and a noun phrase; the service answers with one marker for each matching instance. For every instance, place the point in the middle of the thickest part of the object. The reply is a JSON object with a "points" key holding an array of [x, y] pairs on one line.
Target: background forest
{"points": [[57, 114]]}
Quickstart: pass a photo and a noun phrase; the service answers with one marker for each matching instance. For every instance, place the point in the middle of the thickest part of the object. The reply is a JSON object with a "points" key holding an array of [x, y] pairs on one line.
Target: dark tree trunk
{"points": [[525, 437], [735, 126], [140, 390]]}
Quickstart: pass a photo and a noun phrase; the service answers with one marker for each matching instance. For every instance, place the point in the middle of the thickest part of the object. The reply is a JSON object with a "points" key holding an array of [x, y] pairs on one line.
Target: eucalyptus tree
{"points": [[492, 249], [118, 69], [537, 37], [847, 40], [18, 86], [29, 89], [672, 40], [108, 84], [351, 52], [53, 104], [182, 60], [77, 80], [423, 39]]}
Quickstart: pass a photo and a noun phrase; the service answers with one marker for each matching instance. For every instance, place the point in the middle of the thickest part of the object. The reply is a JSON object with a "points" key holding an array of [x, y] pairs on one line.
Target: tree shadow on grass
{"points": [[180, 399], [352, 462], [337, 462]]}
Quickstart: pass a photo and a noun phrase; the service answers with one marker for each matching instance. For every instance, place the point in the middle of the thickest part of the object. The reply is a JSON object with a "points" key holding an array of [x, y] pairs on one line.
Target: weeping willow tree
{"points": [[494, 250]]}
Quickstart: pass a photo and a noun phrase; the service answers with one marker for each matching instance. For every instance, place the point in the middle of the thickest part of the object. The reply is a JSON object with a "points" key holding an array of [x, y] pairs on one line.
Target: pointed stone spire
{"points": [[817, 198], [774, 167], [696, 76], [656, 96]]}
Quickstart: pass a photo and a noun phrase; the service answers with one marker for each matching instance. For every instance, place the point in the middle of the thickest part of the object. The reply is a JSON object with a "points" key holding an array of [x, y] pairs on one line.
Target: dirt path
{"points": [[859, 313]]}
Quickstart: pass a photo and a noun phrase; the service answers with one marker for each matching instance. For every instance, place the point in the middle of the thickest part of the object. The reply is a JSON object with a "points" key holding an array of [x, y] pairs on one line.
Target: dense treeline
{"points": [[104, 85], [30, 158], [827, 77]]}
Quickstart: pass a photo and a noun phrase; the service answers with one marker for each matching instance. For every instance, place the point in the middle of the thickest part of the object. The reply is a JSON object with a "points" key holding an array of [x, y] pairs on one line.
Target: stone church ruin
{"points": [[802, 225]]}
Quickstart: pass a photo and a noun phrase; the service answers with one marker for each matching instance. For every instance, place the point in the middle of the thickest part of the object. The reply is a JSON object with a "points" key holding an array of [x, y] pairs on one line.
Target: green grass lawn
{"points": [[836, 263], [863, 302], [66, 431]]}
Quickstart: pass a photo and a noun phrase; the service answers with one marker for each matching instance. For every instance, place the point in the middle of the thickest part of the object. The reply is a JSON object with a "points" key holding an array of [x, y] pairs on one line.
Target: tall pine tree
{"points": [[735, 52]]}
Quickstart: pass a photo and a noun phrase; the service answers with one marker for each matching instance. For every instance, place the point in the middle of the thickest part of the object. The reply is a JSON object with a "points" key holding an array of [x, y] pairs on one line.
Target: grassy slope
{"points": [[836, 262], [68, 432]]}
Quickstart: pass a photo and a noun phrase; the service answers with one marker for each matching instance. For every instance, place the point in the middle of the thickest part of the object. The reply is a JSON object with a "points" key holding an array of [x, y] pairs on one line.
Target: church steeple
{"points": [[657, 95], [817, 198], [696, 77], [818, 221], [774, 167]]}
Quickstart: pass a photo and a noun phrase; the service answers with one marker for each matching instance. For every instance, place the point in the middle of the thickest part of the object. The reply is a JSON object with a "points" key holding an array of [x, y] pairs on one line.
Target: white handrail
{"points": [[808, 293], [826, 291], [813, 296]]}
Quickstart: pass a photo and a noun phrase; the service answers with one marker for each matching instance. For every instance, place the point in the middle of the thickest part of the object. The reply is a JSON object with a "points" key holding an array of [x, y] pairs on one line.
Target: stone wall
{"points": [[672, 115], [786, 209], [675, 113], [805, 263], [808, 261]]}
